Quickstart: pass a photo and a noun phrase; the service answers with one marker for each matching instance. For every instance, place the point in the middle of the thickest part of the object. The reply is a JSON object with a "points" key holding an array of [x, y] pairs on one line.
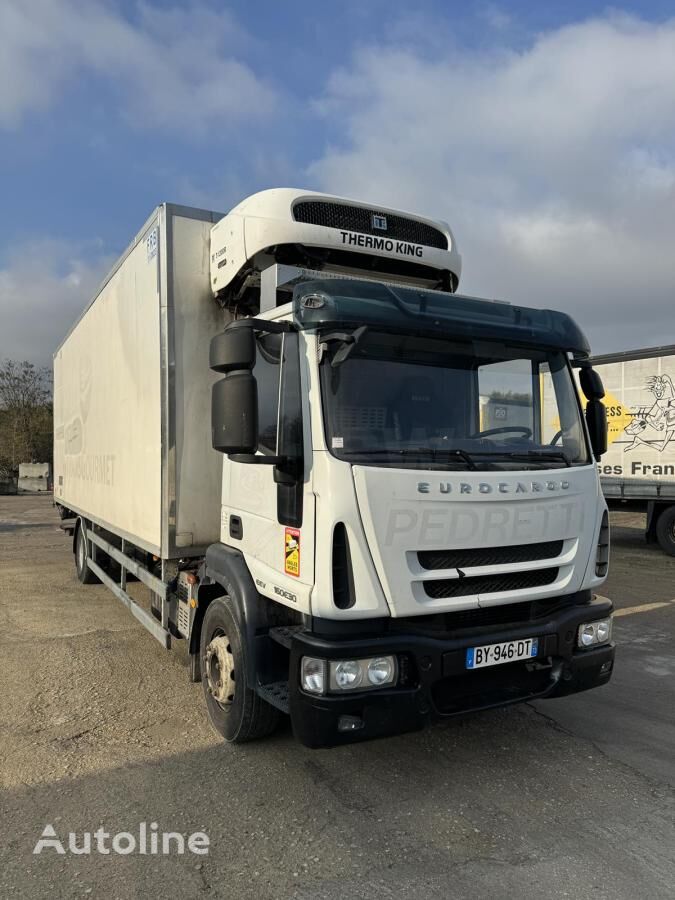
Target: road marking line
{"points": [[645, 607]]}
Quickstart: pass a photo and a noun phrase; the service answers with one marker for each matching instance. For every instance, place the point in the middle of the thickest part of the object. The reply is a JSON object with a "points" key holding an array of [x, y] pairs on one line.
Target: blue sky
{"points": [[544, 133]]}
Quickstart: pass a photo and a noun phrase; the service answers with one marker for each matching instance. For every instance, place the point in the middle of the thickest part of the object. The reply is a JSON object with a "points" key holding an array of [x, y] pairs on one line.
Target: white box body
{"points": [[132, 393]]}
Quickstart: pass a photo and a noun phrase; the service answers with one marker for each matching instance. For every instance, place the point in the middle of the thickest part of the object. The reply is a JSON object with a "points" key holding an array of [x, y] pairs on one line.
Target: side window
{"points": [[290, 406], [550, 416], [266, 372]]}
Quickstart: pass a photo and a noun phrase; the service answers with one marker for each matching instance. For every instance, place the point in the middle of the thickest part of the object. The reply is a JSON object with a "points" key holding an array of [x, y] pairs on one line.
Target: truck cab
{"points": [[412, 525]]}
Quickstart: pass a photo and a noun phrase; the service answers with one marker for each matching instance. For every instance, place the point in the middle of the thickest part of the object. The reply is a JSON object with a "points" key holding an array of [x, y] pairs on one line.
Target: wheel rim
{"points": [[219, 667], [81, 552]]}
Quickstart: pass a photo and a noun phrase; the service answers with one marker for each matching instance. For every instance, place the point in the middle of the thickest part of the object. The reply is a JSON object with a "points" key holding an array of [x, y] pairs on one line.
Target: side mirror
{"points": [[596, 419], [591, 384], [234, 412], [232, 349]]}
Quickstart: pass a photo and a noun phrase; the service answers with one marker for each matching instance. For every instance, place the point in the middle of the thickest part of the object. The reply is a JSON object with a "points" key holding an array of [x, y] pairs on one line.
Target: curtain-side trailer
{"points": [[638, 470]]}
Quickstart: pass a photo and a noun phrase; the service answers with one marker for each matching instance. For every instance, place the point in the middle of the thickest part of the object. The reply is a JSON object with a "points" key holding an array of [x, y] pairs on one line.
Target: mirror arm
{"points": [[262, 325], [288, 469], [258, 459]]}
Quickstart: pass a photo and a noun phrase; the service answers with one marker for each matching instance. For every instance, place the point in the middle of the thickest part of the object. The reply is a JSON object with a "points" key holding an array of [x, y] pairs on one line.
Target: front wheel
{"points": [[665, 530], [84, 573], [235, 710]]}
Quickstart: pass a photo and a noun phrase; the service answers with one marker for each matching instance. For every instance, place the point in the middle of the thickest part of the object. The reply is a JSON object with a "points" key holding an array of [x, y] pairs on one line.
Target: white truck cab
{"points": [[411, 520], [407, 472]]}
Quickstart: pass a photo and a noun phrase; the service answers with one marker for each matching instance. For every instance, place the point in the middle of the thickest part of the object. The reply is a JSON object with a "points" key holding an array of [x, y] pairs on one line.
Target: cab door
{"points": [[268, 513]]}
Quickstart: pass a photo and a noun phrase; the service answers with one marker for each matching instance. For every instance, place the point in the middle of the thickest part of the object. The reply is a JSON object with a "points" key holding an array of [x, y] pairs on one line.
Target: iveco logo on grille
{"points": [[379, 222]]}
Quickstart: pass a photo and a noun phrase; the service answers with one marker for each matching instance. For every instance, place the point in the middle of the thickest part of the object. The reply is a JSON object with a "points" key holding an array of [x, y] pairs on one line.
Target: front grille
{"points": [[360, 219], [489, 584], [506, 614], [488, 556]]}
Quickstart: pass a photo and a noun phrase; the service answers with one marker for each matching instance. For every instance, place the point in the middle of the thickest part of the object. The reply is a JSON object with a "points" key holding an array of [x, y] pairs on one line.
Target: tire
{"points": [[665, 530], [84, 573], [236, 712]]}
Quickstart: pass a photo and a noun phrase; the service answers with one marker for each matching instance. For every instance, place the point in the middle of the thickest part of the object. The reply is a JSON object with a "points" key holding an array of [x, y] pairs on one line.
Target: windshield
{"points": [[402, 400]]}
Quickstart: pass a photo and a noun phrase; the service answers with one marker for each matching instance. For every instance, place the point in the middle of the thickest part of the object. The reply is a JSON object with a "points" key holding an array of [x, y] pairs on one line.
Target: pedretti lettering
{"points": [[371, 242]]}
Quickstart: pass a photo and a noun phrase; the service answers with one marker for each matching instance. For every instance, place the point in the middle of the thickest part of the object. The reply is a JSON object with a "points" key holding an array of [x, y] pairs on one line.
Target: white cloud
{"points": [[44, 286], [555, 165], [177, 69], [495, 17]]}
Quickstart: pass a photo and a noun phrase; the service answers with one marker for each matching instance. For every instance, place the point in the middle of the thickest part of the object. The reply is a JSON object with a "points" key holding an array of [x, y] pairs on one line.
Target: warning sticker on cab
{"points": [[292, 552]]}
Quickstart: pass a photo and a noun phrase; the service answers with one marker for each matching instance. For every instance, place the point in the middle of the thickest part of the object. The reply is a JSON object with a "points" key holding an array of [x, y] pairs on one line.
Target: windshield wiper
{"points": [[536, 454], [436, 455], [462, 454], [348, 343]]}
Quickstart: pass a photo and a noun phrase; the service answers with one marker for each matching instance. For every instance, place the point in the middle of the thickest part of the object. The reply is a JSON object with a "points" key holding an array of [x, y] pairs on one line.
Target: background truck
{"points": [[638, 470], [288, 426]]}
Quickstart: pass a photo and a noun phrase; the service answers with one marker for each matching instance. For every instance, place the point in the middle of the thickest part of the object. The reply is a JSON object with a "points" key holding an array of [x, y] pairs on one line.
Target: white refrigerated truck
{"points": [[286, 424], [638, 470]]}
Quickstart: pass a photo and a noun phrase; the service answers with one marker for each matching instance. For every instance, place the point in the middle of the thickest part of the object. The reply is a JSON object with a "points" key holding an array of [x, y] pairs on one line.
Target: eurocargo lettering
{"points": [[373, 486]]}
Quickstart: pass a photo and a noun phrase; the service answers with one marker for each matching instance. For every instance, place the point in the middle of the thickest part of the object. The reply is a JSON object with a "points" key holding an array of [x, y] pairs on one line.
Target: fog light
{"points": [[348, 674], [350, 723], [381, 670], [313, 674], [593, 633]]}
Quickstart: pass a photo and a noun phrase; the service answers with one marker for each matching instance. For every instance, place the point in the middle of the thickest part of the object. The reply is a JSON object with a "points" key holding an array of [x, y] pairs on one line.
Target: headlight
{"points": [[313, 674], [362, 674], [317, 676], [347, 674], [381, 671], [604, 631], [593, 633]]}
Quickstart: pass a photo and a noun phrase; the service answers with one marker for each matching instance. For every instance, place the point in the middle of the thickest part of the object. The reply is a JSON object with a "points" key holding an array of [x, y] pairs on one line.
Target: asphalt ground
{"points": [[100, 728]]}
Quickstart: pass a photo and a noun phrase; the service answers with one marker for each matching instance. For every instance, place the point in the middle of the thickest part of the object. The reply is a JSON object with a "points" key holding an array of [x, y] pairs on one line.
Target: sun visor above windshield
{"points": [[411, 310]]}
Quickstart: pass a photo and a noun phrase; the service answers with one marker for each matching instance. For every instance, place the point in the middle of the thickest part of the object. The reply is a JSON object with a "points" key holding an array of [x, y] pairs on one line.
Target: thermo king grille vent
{"points": [[488, 556], [489, 584], [360, 219]]}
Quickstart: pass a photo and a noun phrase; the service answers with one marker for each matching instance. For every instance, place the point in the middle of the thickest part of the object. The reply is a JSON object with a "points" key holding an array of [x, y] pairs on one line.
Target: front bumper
{"points": [[434, 683]]}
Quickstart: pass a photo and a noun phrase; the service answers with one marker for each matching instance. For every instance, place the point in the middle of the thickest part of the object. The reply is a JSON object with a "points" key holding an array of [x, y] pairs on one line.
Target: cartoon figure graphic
{"points": [[660, 417]]}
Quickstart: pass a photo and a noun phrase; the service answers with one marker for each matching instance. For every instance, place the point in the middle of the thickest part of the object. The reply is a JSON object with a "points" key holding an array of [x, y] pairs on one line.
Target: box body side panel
{"points": [[107, 402]]}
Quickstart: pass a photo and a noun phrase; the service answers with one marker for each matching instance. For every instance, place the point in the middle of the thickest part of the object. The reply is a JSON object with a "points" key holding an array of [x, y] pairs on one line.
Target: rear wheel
{"points": [[84, 573], [665, 530], [235, 710]]}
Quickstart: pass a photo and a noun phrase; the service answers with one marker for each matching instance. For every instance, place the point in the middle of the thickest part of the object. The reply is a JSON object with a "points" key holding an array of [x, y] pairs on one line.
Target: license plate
{"points": [[496, 654]]}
